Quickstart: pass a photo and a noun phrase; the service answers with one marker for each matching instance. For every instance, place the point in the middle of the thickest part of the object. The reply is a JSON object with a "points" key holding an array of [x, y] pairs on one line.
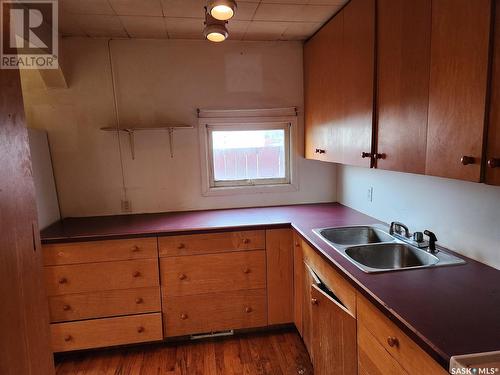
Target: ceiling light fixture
{"points": [[222, 10], [215, 30]]}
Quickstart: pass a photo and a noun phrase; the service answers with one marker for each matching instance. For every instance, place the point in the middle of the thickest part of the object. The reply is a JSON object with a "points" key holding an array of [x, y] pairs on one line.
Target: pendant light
{"points": [[215, 30], [222, 10]]}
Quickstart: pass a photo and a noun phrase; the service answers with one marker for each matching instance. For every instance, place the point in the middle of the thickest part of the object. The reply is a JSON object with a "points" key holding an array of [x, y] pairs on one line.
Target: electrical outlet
{"points": [[126, 206], [370, 194]]}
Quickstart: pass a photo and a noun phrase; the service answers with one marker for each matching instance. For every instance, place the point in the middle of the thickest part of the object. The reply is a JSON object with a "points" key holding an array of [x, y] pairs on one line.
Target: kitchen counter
{"points": [[448, 311]]}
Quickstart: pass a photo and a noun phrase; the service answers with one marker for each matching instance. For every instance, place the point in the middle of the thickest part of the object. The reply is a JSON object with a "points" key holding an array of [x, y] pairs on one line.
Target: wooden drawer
{"points": [[336, 282], [408, 354], [99, 251], [106, 332], [373, 359], [212, 243], [214, 312], [104, 304], [187, 275], [80, 278]]}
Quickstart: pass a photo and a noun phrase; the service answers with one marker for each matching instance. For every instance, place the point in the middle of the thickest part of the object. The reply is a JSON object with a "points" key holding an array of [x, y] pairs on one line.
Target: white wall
{"points": [[45, 188], [161, 81], [465, 216]]}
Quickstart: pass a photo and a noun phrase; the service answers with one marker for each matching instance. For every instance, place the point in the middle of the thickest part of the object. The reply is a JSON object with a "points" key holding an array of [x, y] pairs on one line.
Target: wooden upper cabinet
{"points": [[353, 136], [403, 61], [323, 94], [493, 149], [338, 89], [458, 86]]}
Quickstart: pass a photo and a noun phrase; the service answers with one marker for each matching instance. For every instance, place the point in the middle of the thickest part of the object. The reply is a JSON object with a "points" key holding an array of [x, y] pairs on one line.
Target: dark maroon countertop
{"points": [[447, 310]]}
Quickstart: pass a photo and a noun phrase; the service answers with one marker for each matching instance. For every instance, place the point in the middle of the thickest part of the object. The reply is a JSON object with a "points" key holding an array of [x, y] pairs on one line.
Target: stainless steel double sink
{"points": [[372, 249]]}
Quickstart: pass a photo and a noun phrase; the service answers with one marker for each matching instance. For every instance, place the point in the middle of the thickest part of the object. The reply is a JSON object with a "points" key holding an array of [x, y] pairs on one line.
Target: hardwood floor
{"points": [[263, 353]]}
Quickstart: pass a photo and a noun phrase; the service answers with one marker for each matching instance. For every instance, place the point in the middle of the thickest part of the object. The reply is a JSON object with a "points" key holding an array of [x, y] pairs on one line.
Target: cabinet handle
{"points": [[365, 155], [248, 309], [66, 307], [466, 160], [494, 163], [181, 246], [140, 329], [392, 341], [246, 240], [63, 280], [380, 156], [320, 151], [139, 300], [136, 274], [136, 249], [247, 270], [68, 338], [314, 301], [184, 316], [182, 276]]}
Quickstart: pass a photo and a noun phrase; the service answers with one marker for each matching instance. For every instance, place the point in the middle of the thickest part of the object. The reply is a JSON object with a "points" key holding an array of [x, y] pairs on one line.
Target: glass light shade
{"points": [[216, 37], [222, 12]]}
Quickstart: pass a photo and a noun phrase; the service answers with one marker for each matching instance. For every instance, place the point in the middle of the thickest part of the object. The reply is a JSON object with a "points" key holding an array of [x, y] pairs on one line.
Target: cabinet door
{"points": [[403, 62], [334, 336], [457, 91], [298, 281], [493, 150], [353, 136], [322, 91], [24, 315], [307, 330]]}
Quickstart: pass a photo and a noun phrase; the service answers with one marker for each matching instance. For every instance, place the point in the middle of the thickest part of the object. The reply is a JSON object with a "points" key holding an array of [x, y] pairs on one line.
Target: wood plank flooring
{"points": [[263, 353]]}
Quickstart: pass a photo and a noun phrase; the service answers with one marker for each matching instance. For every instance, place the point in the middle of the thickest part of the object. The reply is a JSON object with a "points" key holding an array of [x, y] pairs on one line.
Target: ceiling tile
{"points": [[137, 7], [184, 8], [278, 12], [318, 13], [86, 7], [327, 2], [185, 28], [237, 29], [69, 25], [303, 2], [300, 30], [262, 30], [245, 11], [102, 26], [144, 27]]}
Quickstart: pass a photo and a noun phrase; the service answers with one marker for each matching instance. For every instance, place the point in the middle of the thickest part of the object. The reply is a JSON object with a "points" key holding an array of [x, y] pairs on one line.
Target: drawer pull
{"points": [[136, 274], [494, 163], [248, 309], [63, 280], [184, 316], [66, 307], [246, 240], [297, 244], [182, 276], [314, 301], [139, 300], [392, 341], [181, 246], [247, 270], [467, 160], [68, 338], [136, 249], [140, 329]]}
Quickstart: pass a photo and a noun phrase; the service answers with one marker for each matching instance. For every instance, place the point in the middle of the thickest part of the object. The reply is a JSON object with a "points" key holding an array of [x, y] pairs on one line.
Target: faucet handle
{"points": [[432, 240], [418, 237]]}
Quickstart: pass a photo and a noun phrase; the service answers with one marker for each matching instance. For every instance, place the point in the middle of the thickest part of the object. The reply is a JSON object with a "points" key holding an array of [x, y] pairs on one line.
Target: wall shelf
{"points": [[131, 131]]}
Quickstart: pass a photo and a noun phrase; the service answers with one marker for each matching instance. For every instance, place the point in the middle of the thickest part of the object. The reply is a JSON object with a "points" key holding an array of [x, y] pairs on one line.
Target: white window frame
{"points": [[247, 120]]}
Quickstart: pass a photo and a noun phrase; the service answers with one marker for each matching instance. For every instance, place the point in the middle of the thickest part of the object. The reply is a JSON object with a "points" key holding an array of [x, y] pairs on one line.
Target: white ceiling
{"points": [[183, 19]]}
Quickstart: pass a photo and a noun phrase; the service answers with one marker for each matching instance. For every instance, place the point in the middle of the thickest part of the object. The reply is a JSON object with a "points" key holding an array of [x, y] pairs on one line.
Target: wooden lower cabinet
{"points": [[298, 282], [209, 312], [105, 332], [334, 336]]}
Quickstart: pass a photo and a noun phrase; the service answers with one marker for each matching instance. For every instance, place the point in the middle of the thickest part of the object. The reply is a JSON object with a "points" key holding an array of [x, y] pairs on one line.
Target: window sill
{"points": [[256, 189]]}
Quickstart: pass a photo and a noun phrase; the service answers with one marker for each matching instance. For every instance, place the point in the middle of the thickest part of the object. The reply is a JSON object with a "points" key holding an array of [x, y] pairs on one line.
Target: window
{"points": [[247, 155]]}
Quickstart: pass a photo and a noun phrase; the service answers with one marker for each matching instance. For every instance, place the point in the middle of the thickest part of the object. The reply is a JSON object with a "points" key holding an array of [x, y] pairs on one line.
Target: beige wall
{"points": [[161, 81]]}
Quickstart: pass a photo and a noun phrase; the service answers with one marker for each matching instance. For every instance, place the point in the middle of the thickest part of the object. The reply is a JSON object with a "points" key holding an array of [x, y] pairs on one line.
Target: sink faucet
{"points": [[432, 242], [396, 228]]}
